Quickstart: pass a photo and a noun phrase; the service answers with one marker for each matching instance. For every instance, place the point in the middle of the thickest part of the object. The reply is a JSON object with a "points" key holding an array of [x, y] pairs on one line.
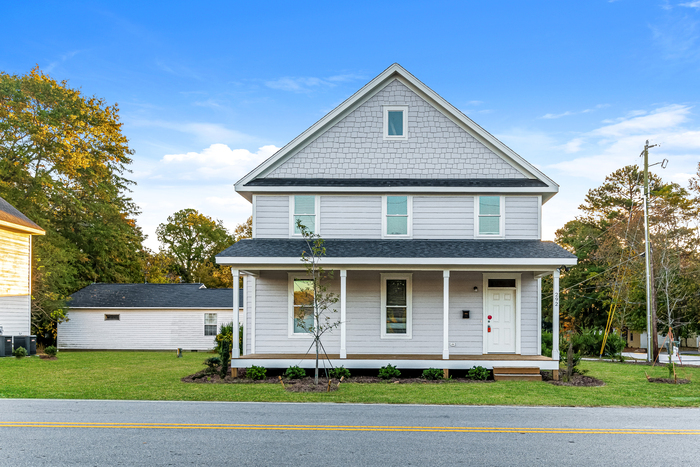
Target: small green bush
{"points": [[19, 352], [256, 372], [389, 371], [226, 333], [224, 357], [51, 351], [294, 372], [546, 344], [339, 372], [211, 364], [479, 373], [432, 374]]}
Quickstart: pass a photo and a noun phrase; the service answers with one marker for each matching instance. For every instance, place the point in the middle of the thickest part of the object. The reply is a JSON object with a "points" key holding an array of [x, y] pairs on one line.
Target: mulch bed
{"points": [[668, 380], [580, 381], [47, 357]]}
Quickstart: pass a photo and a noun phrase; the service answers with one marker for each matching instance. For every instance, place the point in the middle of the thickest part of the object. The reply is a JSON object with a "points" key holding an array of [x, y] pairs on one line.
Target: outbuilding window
{"points": [[209, 324], [111, 317]]}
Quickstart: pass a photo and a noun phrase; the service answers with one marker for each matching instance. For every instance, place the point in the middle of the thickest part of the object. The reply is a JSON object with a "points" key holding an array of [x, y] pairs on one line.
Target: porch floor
{"points": [[309, 356]]}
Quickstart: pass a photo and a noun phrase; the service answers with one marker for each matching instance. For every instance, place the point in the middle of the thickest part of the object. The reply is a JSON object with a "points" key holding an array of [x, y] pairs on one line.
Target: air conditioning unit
{"points": [[5, 346], [28, 342]]}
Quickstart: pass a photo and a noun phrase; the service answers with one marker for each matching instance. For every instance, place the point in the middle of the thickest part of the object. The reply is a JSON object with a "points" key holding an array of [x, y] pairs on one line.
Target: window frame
{"points": [[409, 220], [111, 317], [385, 123], [408, 277], [317, 216], [290, 306], [216, 324], [502, 216]]}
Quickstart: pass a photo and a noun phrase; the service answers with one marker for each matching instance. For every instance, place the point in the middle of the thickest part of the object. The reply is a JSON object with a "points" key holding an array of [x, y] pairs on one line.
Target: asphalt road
{"points": [[71, 432]]}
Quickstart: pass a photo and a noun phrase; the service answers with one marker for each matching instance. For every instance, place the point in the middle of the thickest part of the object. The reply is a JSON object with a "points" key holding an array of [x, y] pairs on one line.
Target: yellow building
{"points": [[16, 232]]}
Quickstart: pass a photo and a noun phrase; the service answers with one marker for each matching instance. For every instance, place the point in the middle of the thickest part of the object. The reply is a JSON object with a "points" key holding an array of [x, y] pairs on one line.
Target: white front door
{"points": [[500, 320]]}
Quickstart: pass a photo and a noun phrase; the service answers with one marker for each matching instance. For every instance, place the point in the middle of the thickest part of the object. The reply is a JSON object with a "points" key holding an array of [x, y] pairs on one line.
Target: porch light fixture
{"points": [[476, 289]]}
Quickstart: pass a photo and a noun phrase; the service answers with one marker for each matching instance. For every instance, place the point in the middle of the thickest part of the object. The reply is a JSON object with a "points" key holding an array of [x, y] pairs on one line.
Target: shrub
{"points": [[255, 372], [433, 373], [339, 372], [389, 371], [479, 373], [19, 352], [294, 372], [225, 357], [547, 344], [211, 364], [226, 333], [615, 345], [51, 351]]}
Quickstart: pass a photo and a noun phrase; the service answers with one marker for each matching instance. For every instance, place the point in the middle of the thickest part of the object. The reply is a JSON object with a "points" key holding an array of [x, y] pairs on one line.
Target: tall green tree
{"points": [[64, 163], [193, 240]]}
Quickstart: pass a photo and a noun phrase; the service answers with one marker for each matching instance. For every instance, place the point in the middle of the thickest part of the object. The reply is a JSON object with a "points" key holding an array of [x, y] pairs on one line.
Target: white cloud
{"points": [[307, 84], [694, 4], [573, 146], [218, 160], [204, 132], [550, 116], [662, 118]]}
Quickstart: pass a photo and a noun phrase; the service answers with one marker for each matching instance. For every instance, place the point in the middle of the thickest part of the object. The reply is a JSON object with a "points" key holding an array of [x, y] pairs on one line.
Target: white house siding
{"points": [[436, 147], [271, 216], [466, 334], [15, 317], [272, 317], [351, 216], [138, 329], [364, 315], [443, 217], [522, 217], [14, 283]]}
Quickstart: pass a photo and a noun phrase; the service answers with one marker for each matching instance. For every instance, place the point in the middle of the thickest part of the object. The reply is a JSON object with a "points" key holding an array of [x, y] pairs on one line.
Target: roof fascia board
{"points": [[131, 308], [262, 260], [403, 189], [301, 141], [21, 228]]}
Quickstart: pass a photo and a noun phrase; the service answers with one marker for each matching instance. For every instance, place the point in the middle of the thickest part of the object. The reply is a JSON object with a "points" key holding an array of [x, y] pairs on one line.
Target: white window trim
{"points": [[290, 312], [204, 327], [409, 306], [386, 109], [317, 215], [501, 224], [518, 313], [409, 221]]}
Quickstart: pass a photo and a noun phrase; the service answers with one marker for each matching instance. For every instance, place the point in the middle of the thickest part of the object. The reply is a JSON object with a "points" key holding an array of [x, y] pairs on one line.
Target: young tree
{"points": [[192, 240], [63, 163], [318, 302]]}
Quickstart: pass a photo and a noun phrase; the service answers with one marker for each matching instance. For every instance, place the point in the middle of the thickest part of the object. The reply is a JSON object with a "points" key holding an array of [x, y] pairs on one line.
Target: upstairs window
{"points": [[397, 216], [490, 216], [304, 210], [395, 122]]}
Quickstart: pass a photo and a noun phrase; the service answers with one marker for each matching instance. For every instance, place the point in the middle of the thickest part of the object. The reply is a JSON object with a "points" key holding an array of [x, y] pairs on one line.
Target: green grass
{"points": [[156, 376]]}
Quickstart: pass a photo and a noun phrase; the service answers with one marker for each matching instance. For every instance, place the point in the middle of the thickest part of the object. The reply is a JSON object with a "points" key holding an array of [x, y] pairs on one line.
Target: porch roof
{"points": [[467, 252]]}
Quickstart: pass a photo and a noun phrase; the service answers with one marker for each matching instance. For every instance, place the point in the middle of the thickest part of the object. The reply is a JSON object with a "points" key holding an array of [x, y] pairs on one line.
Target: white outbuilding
{"points": [[145, 317]]}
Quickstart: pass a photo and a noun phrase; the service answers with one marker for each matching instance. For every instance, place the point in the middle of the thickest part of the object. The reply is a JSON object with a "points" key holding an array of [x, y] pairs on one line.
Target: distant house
{"points": [[145, 317], [431, 224], [16, 232]]}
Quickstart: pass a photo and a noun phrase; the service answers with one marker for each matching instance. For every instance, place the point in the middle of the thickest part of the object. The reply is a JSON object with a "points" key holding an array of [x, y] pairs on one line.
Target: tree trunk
{"points": [[316, 372]]}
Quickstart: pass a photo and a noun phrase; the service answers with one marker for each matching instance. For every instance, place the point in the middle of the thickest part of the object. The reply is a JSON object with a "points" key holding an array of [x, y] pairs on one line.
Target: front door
{"points": [[500, 320]]}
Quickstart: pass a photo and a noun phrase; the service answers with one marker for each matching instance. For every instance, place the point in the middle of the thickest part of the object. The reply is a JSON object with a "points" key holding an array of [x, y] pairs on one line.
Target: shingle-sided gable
{"points": [[436, 146]]}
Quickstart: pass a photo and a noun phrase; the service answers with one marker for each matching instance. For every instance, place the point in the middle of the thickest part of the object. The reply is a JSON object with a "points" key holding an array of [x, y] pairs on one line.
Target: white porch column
{"points": [[555, 315], [235, 350], [445, 314], [343, 313], [252, 314]]}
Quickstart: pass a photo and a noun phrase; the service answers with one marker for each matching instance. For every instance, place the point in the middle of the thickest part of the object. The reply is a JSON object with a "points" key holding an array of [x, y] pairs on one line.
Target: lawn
{"points": [[156, 376]]}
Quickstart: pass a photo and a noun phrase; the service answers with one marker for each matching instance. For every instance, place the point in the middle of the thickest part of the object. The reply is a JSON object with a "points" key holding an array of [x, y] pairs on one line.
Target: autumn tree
{"points": [[64, 163], [193, 240]]}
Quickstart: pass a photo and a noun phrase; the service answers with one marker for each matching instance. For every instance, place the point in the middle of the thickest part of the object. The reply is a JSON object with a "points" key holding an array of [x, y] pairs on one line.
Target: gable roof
{"points": [[153, 296], [251, 182], [12, 218]]}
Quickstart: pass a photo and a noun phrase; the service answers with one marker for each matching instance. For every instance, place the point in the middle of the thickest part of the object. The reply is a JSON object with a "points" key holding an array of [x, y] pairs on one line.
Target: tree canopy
{"points": [[64, 163]]}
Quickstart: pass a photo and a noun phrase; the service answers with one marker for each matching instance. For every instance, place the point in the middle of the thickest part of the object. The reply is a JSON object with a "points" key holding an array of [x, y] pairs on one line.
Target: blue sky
{"points": [[207, 92]]}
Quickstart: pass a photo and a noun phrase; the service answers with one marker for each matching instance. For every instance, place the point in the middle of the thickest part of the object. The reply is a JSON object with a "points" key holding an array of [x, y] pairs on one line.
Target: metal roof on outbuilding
{"points": [[152, 296]]}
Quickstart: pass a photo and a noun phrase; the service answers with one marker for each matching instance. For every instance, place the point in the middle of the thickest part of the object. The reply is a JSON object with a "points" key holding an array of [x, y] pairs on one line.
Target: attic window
{"points": [[395, 122], [111, 317]]}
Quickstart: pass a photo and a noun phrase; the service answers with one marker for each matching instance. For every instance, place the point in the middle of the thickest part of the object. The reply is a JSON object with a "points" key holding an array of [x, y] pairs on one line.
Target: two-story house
{"points": [[432, 228]]}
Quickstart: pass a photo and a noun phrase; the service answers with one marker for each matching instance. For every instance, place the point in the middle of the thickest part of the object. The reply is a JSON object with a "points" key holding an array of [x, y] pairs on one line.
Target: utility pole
{"points": [[652, 336]]}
